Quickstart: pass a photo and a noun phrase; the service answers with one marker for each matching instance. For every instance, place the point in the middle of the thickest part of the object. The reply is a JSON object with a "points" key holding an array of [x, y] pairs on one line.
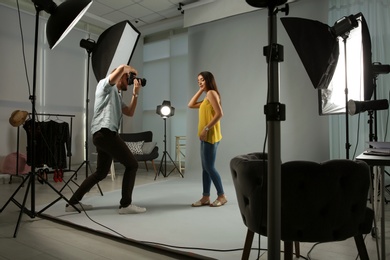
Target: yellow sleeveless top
{"points": [[206, 113]]}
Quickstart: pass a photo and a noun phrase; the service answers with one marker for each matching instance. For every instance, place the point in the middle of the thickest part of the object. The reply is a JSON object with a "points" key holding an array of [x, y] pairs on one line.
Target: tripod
{"points": [[86, 161], [164, 157], [31, 175], [373, 127]]}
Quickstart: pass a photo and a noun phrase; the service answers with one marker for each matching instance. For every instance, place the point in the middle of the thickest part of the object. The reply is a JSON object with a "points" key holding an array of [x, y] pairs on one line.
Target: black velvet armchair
{"points": [[320, 202], [147, 138]]}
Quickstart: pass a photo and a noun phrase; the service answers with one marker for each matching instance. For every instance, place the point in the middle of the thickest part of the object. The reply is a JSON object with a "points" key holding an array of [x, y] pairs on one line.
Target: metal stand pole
{"points": [[275, 112], [86, 161], [31, 175], [347, 144], [164, 157]]}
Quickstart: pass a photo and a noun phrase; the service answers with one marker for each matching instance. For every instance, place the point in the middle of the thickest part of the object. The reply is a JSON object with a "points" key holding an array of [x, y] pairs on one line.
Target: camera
{"points": [[131, 78]]}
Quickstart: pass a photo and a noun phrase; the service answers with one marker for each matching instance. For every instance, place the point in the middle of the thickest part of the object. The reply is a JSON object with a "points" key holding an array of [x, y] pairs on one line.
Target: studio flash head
{"points": [[131, 78]]}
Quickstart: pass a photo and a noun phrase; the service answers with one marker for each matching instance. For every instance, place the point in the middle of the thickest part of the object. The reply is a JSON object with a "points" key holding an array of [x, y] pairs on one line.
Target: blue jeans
{"points": [[208, 153]]}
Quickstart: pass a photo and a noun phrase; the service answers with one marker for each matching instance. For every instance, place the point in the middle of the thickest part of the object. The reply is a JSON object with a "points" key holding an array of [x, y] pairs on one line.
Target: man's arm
{"points": [[130, 109], [116, 74]]}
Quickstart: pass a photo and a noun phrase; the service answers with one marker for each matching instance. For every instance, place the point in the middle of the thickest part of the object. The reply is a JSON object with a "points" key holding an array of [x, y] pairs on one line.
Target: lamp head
{"points": [[378, 68], [88, 44], [355, 107], [344, 25], [165, 110]]}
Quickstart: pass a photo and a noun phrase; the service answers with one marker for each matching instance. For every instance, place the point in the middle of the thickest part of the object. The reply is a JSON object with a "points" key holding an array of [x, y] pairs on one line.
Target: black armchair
{"points": [[320, 202], [147, 138]]}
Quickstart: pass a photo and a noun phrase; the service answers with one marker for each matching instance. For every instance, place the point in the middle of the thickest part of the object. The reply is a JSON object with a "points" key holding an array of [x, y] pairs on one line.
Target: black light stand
{"points": [[31, 175], [165, 110], [374, 124], [164, 157], [275, 113], [88, 45], [342, 28], [347, 144]]}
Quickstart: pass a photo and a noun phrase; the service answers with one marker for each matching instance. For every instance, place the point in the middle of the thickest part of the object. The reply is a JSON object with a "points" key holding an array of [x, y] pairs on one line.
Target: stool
{"points": [[180, 146]]}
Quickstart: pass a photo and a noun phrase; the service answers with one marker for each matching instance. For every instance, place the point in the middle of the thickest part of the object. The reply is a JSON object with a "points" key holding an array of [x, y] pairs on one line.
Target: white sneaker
{"points": [[131, 209], [80, 206]]}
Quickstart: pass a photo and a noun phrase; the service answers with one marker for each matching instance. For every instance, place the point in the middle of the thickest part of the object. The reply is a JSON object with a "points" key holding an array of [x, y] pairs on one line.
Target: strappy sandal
{"points": [[218, 203], [200, 203]]}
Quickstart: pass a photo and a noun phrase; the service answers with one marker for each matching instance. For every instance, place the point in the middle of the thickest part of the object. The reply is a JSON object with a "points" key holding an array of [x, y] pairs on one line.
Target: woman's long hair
{"points": [[210, 81]]}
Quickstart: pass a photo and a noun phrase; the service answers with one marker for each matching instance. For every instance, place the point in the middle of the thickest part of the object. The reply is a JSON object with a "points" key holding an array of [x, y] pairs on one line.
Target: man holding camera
{"points": [[108, 110]]}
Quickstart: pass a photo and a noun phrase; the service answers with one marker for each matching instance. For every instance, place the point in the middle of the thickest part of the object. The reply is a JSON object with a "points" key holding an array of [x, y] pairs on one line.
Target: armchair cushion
{"points": [[135, 147], [145, 137], [148, 147]]}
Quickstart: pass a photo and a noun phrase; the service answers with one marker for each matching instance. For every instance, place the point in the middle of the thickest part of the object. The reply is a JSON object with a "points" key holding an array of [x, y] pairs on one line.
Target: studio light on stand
{"points": [[61, 21], [88, 45], [165, 110], [337, 76]]}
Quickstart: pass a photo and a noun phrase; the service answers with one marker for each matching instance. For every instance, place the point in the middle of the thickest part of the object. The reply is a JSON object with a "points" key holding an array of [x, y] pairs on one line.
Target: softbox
{"points": [[316, 46], [114, 47]]}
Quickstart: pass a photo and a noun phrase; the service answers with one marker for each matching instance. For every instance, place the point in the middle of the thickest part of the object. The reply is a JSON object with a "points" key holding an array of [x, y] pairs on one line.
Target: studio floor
{"points": [[42, 238]]}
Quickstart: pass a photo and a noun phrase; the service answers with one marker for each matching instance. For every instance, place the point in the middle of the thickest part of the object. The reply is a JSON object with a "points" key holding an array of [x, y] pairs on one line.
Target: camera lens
{"points": [[131, 78]]}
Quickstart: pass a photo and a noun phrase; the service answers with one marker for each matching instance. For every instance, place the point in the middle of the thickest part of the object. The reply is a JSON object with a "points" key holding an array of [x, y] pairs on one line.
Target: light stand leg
{"points": [[164, 157], [87, 117]]}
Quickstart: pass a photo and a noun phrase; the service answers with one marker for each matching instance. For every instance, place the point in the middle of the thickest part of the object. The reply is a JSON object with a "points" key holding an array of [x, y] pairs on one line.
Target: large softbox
{"points": [[114, 47]]}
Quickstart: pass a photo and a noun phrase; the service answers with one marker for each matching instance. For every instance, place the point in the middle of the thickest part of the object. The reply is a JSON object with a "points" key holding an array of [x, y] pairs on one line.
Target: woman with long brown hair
{"points": [[209, 132]]}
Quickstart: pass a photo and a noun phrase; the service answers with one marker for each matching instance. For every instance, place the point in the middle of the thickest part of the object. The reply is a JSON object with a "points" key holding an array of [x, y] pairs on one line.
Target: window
{"points": [[166, 69]]}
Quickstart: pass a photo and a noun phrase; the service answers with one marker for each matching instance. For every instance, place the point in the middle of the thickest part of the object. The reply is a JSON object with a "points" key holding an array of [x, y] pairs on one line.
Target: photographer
{"points": [[108, 110]]}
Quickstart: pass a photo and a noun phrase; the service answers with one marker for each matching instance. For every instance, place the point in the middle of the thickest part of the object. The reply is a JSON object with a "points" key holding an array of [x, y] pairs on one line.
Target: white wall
{"points": [[232, 49]]}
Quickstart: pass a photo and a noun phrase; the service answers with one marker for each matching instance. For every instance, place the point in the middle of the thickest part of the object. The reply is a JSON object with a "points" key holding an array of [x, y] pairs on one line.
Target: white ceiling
{"points": [[138, 12], [104, 13]]}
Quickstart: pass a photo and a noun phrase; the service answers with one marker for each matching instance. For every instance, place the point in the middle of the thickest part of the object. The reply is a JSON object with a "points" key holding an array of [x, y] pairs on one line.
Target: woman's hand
{"points": [[203, 135]]}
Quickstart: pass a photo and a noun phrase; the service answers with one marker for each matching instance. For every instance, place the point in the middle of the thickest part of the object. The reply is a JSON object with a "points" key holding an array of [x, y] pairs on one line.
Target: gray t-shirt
{"points": [[108, 107]]}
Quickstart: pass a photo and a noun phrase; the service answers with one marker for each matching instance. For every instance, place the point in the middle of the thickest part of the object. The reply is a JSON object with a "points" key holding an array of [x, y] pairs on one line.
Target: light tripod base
{"points": [[74, 175], [30, 179], [164, 161]]}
